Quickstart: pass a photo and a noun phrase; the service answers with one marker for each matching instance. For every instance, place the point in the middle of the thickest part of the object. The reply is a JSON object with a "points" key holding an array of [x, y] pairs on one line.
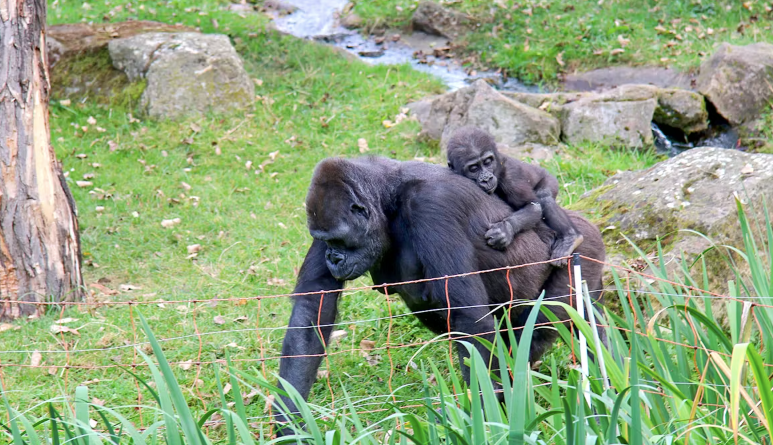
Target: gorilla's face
{"points": [[481, 167], [350, 223], [472, 152]]}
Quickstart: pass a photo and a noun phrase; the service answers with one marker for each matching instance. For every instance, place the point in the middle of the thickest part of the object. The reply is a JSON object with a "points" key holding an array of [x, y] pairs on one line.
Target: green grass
{"points": [[669, 377], [538, 41], [251, 227]]}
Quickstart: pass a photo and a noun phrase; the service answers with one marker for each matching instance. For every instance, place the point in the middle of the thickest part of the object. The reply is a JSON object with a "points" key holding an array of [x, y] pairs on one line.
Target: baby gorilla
{"points": [[528, 189]]}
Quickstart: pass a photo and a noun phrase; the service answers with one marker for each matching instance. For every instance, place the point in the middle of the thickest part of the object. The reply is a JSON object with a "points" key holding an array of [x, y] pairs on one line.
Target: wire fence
{"points": [[70, 360]]}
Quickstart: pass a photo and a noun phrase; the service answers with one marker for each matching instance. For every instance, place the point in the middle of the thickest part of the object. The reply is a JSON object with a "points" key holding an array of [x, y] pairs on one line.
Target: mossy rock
{"points": [[90, 76], [686, 204]]}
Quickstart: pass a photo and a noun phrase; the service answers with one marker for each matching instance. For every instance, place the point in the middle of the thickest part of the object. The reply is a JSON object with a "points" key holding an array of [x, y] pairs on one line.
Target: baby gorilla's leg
{"points": [[567, 237]]}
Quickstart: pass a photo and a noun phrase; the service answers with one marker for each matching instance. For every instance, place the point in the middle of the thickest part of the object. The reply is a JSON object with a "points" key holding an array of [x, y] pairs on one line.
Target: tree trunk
{"points": [[39, 246]]}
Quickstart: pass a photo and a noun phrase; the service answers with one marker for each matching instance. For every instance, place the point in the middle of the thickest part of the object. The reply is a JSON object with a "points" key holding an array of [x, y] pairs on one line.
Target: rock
{"points": [[682, 109], [71, 39], [186, 72], [737, 80], [432, 18], [80, 65], [278, 6], [512, 123], [537, 153], [611, 77], [695, 190], [619, 117], [352, 21], [549, 102]]}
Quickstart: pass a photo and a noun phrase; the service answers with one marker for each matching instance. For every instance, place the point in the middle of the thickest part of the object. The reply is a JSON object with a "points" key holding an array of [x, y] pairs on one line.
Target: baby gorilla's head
{"points": [[472, 153]]}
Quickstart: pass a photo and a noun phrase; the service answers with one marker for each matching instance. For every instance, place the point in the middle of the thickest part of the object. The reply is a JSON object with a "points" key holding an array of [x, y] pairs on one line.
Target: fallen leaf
{"points": [[186, 365], [323, 374], [9, 327], [83, 184], [88, 176], [65, 102], [269, 404], [227, 388], [35, 359], [248, 398], [57, 329], [240, 319], [623, 41], [219, 319], [363, 145], [167, 223], [65, 320], [747, 169], [112, 145], [560, 58], [98, 402], [185, 186], [195, 128], [91, 120], [104, 289], [372, 360], [194, 248], [337, 335], [276, 282], [367, 345], [616, 51], [128, 287]]}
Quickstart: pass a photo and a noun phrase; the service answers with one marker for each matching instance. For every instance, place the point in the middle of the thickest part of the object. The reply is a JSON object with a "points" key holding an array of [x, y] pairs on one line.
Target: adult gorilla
{"points": [[404, 221]]}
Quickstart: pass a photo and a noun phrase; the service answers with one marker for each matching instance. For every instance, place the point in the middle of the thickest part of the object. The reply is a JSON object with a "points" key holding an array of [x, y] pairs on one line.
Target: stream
{"points": [[318, 20]]}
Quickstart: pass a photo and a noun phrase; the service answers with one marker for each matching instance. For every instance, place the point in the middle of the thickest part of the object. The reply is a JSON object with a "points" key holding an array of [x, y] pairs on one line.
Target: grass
{"points": [[673, 377], [538, 41]]}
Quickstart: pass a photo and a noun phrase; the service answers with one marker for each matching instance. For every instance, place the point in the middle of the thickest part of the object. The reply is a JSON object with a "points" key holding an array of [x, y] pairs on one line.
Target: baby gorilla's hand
{"points": [[500, 235]]}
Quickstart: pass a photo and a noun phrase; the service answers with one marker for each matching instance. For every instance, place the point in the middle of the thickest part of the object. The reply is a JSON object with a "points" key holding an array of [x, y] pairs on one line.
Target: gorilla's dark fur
{"points": [[403, 221], [530, 191]]}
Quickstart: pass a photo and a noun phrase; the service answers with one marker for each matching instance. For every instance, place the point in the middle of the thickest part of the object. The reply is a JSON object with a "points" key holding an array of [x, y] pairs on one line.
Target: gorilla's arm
{"points": [[302, 350], [501, 234]]}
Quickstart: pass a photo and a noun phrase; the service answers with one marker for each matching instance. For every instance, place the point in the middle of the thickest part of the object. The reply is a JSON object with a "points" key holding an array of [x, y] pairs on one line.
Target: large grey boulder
{"points": [[186, 73], [511, 123], [619, 117], [737, 80], [552, 103], [432, 18], [676, 108], [695, 190], [682, 109]]}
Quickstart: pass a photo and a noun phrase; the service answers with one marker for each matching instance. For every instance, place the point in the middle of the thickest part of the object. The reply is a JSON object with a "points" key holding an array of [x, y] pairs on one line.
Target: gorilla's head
{"points": [[344, 209], [472, 153]]}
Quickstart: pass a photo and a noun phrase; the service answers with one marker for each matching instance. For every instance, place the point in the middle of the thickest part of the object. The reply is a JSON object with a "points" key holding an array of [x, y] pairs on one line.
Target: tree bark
{"points": [[40, 258]]}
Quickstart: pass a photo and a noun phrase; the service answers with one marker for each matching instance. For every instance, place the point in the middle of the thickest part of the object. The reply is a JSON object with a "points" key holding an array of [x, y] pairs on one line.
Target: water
{"points": [[318, 20], [722, 136]]}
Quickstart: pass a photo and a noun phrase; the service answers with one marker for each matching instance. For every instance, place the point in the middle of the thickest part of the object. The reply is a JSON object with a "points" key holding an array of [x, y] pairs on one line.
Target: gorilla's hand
{"points": [[500, 235]]}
